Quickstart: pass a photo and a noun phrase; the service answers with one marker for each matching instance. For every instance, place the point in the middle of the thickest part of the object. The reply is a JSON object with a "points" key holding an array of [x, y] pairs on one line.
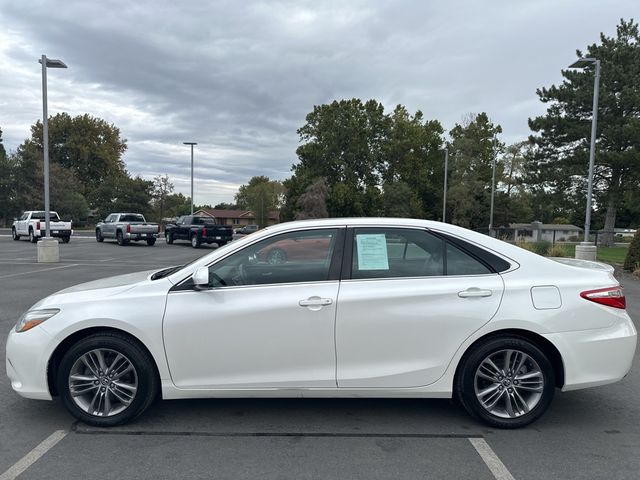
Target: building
{"points": [[550, 232], [237, 218]]}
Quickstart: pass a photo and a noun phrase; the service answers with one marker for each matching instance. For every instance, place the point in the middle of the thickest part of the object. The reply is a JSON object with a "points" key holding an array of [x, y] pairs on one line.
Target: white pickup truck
{"points": [[32, 224]]}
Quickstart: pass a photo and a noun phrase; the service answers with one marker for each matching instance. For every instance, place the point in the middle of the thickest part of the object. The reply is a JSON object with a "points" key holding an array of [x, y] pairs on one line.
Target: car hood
{"points": [[97, 289]]}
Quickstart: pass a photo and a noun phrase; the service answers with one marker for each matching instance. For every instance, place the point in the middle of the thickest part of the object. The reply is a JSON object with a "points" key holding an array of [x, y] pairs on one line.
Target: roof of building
{"points": [[221, 213], [546, 226]]}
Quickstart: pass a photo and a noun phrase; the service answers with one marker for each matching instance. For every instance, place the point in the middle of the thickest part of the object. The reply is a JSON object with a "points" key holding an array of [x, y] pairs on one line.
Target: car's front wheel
{"points": [[99, 237], [106, 379], [506, 381], [168, 236], [195, 241]]}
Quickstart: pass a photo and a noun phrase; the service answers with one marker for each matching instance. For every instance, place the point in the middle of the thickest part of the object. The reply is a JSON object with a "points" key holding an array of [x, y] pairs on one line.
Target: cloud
{"points": [[239, 77]]}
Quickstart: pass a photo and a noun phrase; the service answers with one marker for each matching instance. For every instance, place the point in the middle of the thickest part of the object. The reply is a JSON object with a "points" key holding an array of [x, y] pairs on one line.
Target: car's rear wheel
{"points": [[151, 242], [66, 239], [99, 237], [195, 241], [14, 235], [106, 379], [507, 382], [32, 237], [120, 238]]}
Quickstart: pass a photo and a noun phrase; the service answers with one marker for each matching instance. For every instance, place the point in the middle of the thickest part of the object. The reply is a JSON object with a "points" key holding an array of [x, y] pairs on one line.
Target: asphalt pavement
{"points": [[587, 434]]}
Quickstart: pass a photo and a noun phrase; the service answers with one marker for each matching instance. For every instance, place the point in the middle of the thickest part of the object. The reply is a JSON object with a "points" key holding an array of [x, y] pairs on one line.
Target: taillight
{"points": [[204, 231], [128, 228], [610, 296], [37, 225]]}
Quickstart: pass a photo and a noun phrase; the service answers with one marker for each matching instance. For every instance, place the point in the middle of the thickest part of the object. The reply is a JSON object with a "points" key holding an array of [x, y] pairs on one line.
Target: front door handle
{"points": [[315, 302], [474, 292]]}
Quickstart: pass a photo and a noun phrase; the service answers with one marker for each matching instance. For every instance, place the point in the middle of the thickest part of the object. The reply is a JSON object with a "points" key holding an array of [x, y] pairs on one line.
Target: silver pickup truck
{"points": [[127, 227]]}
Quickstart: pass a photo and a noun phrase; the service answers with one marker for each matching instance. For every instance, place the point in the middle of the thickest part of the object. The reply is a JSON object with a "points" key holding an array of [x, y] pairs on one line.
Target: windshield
{"points": [[131, 218], [53, 216]]}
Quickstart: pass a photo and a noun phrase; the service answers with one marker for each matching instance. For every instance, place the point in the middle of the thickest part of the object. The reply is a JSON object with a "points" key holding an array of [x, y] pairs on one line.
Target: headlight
{"points": [[33, 318]]}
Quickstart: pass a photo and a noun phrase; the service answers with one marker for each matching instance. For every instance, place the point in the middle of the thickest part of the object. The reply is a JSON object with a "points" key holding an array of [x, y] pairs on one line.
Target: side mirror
{"points": [[201, 278]]}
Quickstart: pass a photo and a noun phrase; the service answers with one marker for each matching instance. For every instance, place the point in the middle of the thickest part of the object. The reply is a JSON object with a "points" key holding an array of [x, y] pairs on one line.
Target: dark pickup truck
{"points": [[198, 230]]}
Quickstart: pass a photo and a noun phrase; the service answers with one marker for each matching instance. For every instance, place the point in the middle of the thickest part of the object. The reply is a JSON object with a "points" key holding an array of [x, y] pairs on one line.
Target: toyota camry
{"points": [[363, 307]]}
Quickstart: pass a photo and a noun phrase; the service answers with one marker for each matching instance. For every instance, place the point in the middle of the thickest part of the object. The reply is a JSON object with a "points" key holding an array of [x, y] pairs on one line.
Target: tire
{"points": [[123, 405], [510, 404], [32, 237], [151, 242], [221, 244], [14, 235], [99, 237], [195, 241], [276, 256], [168, 237], [66, 239], [120, 238]]}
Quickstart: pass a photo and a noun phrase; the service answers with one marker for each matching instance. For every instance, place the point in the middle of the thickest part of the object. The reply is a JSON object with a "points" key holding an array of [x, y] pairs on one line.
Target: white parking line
{"points": [[490, 458], [36, 271], [33, 456]]}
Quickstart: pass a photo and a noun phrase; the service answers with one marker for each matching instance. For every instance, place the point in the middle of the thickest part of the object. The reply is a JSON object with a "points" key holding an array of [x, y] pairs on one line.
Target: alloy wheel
{"points": [[509, 383], [103, 382]]}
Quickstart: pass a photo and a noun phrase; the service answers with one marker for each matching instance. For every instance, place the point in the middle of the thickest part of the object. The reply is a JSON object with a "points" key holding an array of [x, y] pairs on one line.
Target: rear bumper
{"points": [[598, 356], [54, 233], [140, 236]]}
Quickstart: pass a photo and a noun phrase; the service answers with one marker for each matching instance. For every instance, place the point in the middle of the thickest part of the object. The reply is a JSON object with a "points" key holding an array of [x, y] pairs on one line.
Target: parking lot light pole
{"points": [[192, 144], [493, 191], [444, 196], [48, 249], [587, 250]]}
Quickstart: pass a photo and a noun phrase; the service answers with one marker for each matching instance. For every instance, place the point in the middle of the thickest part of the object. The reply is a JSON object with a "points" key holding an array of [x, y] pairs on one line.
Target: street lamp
{"points": [[192, 144], [48, 249], [493, 191], [587, 250], [444, 196]]}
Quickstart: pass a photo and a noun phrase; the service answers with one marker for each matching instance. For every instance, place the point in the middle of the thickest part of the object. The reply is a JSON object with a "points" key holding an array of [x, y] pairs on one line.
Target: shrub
{"points": [[636, 273], [557, 251], [541, 248], [632, 262]]}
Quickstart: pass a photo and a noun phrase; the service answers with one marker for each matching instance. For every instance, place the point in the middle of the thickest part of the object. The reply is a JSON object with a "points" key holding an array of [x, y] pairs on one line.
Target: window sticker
{"points": [[372, 252]]}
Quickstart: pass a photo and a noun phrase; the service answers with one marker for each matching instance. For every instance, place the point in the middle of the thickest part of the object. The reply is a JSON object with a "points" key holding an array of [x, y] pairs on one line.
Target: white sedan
{"points": [[346, 308]]}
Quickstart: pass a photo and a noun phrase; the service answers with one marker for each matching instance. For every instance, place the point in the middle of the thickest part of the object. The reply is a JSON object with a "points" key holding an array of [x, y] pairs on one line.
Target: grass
{"points": [[604, 254]]}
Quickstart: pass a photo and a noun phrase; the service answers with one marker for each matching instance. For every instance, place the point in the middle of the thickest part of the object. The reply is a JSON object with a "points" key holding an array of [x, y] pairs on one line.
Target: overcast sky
{"points": [[238, 77]]}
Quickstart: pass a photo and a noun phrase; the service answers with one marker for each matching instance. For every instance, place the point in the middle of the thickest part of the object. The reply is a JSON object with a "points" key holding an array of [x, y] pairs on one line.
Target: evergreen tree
{"points": [[563, 133]]}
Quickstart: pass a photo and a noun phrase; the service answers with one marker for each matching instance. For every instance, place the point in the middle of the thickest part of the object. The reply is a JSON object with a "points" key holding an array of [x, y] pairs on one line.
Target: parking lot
{"points": [[587, 434]]}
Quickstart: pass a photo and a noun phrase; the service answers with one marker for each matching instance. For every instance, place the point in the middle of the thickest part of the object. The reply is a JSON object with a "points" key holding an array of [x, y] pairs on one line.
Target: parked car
{"points": [[247, 229], [127, 227], [198, 230], [32, 224], [381, 308]]}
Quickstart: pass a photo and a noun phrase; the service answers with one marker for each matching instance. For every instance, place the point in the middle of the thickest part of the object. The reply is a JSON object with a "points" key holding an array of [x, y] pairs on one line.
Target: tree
{"points": [[473, 148], [261, 196], [227, 206], [313, 202], [161, 189], [7, 191], [122, 194], [88, 146], [399, 200], [357, 149], [563, 133]]}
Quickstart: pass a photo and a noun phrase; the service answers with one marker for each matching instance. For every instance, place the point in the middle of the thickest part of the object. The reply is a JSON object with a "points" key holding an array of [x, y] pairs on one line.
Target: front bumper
{"points": [[27, 356], [597, 356]]}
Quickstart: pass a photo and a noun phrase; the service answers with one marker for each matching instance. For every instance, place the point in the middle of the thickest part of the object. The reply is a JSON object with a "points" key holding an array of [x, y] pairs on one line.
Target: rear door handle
{"points": [[315, 302], [474, 292]]}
